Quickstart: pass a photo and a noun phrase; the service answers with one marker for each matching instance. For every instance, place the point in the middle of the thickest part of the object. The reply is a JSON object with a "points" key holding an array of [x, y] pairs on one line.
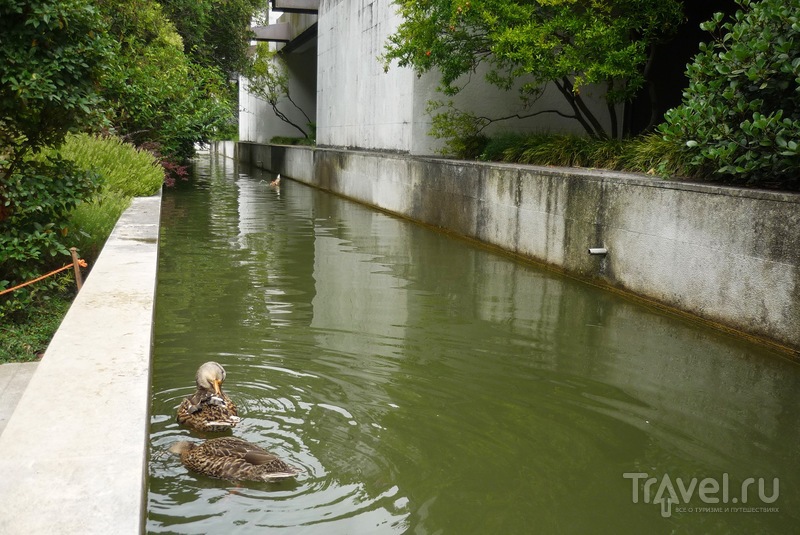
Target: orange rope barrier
{"points": [[81, 263]]}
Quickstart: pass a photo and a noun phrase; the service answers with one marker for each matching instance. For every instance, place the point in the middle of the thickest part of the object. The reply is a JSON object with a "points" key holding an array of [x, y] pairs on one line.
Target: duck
{"points": [[209, 408], [234, 459], [277, 182]]}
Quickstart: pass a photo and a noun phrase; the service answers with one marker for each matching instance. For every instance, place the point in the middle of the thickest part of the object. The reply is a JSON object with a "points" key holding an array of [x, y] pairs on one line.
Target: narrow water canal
{"points": [[426, 385]]}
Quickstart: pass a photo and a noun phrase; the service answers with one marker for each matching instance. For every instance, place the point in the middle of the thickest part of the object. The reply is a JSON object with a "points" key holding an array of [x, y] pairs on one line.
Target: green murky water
{"points": [[428, 386]]}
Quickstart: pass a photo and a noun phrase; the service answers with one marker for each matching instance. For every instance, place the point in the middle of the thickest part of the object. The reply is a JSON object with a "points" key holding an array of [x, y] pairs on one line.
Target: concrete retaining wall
{"points": [[726, 255], [73, 455]]}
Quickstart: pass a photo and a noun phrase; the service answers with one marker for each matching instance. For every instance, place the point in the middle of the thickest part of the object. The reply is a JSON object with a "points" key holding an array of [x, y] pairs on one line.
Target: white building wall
{"points": [[257, 121], [340, 82], [361, 106], [485, 100], [358, 105]]}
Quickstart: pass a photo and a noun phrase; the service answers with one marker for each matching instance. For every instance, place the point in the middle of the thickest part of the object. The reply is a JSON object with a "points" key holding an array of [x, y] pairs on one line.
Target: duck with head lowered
{"points": [[209, 408], [234, 459]]}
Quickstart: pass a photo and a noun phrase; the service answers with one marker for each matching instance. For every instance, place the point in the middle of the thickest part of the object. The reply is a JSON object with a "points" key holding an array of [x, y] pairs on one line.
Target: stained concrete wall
{"points": [[358, 105], [726, 255]]}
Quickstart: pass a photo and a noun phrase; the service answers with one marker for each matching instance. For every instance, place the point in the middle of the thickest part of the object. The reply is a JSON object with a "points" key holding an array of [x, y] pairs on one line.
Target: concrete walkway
{"points": [[73, 454], [14, 379]]}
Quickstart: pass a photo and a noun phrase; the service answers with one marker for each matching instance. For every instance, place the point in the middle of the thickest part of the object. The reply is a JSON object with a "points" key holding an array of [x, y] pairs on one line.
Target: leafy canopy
{"points": [[155, 95], [527, 44], [51, 57], [215, 34]]}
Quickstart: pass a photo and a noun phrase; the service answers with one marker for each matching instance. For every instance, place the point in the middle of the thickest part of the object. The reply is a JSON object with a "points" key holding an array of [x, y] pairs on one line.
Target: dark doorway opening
{"points": [[668, 72]]}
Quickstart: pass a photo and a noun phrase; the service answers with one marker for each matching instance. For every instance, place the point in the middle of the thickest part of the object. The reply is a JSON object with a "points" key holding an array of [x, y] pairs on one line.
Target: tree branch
{"points": [[282, 116], [308, 119], [566, 90], [580, 107], [525, 116]]}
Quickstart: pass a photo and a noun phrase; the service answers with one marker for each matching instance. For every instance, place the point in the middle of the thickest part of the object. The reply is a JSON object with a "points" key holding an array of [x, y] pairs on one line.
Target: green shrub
{"points": [[122, 167], [61, 199], [124, 172], [24, 341], [650, 153], [289, 140], [92, 222], [563, 150], [740, 115], [496, 146], [38, 198]]}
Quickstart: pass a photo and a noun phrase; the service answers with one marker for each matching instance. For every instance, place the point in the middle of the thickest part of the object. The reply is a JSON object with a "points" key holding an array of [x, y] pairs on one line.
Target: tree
{"points": [[269, 80], [215, 34], [529, 44], [52, 53], [155, 95]]}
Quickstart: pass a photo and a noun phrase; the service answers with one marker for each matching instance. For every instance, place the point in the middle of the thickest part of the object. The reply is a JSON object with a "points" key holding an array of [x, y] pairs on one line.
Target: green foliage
{"points": [[215, 34], [51, 55], [568, 151], [288, 140], [34, 224], [156, 95], [460, 129], [122, 167], [526, 45], [24, 341], [650, 154], [653, 154], [124, 172], [67, 198], [496, 147], [93, 221], [740, 116]]}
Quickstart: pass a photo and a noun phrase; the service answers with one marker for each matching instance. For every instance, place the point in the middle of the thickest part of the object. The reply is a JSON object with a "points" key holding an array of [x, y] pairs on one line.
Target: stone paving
{"points": [[14, 378]]}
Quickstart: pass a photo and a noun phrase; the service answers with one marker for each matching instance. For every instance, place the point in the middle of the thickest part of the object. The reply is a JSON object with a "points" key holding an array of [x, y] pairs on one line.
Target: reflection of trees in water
{"points": [[459, 390]]}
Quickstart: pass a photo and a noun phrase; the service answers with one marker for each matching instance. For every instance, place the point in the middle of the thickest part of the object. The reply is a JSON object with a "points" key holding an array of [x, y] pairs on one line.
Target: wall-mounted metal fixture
{"points": [[602, 251]]}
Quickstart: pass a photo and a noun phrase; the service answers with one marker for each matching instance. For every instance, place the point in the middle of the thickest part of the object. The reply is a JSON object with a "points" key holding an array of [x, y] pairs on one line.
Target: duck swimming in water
{"points": [[209, 408], [233, 459]]}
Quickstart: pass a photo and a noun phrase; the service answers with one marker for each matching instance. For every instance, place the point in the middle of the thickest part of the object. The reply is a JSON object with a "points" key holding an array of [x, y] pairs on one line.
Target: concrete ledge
{"points": [[729, 256], [74, 452]]}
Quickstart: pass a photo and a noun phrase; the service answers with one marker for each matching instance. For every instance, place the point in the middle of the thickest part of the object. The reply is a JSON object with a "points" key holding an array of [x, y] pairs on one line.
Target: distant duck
{"points": [[209, 408], [233, 459], [277, 182]]}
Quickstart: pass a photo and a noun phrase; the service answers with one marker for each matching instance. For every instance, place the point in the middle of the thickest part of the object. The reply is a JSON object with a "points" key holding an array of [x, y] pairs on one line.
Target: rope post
{"points": [[78, 280]]}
